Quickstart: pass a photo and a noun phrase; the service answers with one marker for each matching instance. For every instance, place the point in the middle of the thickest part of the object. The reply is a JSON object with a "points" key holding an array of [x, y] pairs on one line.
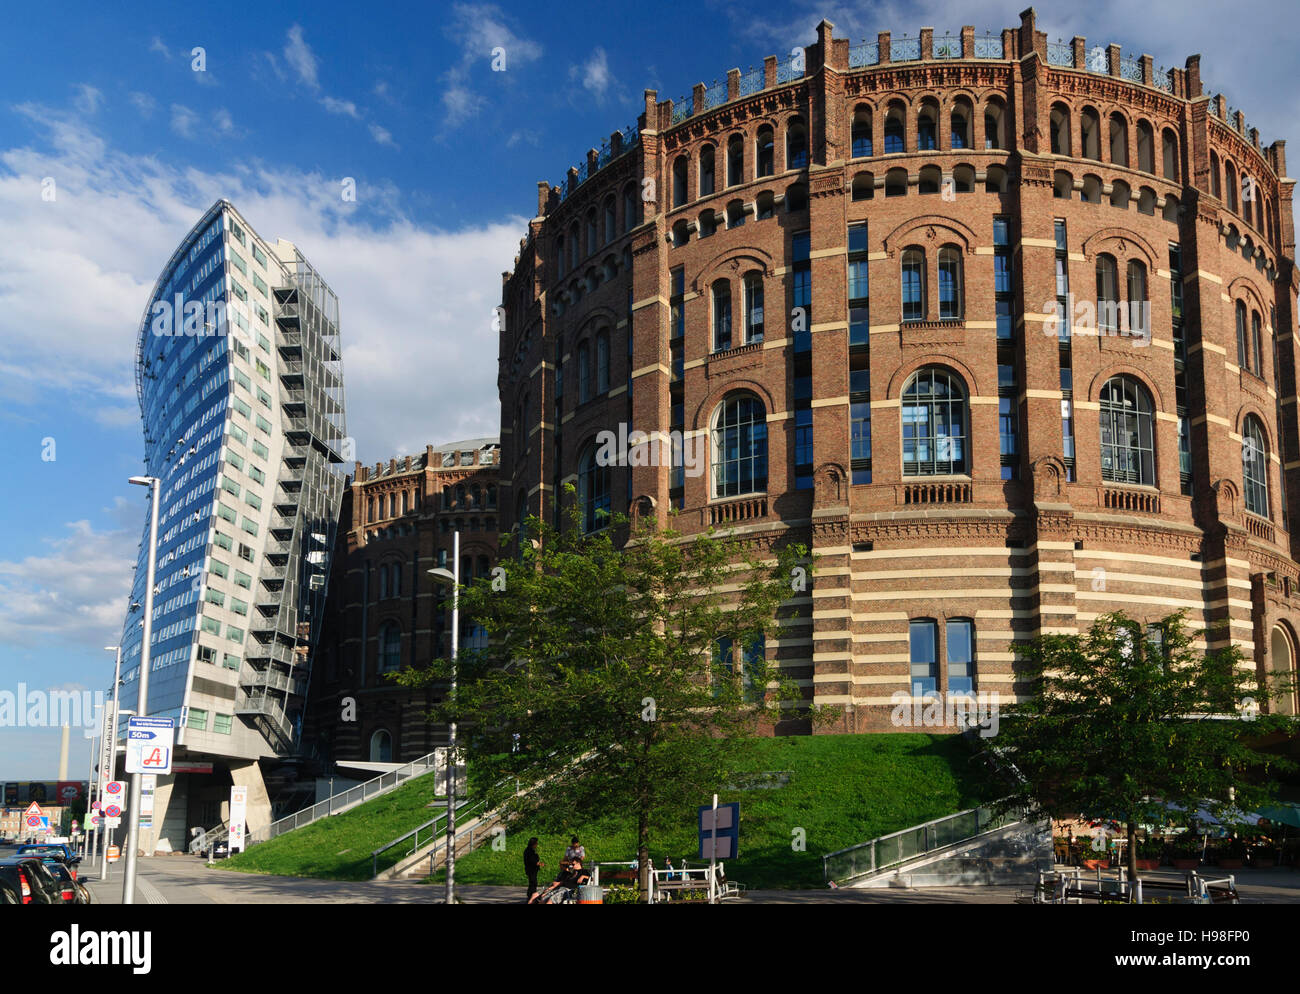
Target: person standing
{"points": [[532, 863], [576, 850]]}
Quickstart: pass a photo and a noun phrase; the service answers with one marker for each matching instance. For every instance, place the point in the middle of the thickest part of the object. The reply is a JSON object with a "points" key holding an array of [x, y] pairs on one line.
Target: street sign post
{"points": [[238, 816], [149, 744], [719, 837]]}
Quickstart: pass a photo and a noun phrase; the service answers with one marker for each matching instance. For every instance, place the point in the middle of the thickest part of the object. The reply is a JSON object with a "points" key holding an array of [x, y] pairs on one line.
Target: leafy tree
{"points": [[623, 667], [1125, 720]]}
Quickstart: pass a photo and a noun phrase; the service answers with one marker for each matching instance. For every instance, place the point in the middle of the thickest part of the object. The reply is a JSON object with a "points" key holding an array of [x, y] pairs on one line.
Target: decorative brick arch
{"points": [[897, 238], [904, 373], [731, 265], [1243, 288], [1127, 238], [1124, 369], [703, 416]]}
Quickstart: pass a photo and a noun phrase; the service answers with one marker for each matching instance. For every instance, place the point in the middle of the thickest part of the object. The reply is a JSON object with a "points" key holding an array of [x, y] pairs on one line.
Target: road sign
{"points": [[149, 745], [33, 821], [112, 822], [33, 811], [75, 825], [720, 831], [95, 820], [238, 814], [95, 805], [114, 789], [113, 811]]}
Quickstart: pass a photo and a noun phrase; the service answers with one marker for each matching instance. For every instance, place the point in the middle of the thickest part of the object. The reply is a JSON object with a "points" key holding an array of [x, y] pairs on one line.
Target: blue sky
{"points": [[446, 155]]}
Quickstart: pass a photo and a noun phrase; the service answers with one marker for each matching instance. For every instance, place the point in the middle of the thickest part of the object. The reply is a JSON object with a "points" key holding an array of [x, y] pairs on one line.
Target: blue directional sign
{"points": [[720, 831], [149, 745]]}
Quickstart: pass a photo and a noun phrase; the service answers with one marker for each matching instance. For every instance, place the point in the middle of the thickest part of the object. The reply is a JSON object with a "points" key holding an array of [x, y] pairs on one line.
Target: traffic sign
{"points": [[95, 820], [33, 821], [112, 822], [112, 811], [149, 745], [114, 789], [33, 811], [720, 831], [95, 805]]}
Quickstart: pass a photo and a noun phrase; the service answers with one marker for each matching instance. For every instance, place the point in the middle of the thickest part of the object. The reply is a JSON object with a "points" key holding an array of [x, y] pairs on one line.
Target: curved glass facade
{"points": [[240, 384]]}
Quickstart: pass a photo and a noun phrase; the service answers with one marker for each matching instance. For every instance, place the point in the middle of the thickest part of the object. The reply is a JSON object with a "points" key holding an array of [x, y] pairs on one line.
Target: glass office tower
{"points": [[240, 381]]}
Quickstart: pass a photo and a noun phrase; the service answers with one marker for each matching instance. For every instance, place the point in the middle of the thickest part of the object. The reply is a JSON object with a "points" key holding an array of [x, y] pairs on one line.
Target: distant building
{"points": [[385, 612]]}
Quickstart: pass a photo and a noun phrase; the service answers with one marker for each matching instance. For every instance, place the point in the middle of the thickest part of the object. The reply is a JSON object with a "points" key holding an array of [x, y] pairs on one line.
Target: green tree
{"points": [[1127, 719], [628, 662]]}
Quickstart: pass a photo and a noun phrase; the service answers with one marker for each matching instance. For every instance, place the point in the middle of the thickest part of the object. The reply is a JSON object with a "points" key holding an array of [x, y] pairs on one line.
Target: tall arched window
{"points": [[1146, 147], [1127, 433], [740, 446], [1118, 139], [913, 284], [861, 132], [630, 212], [950, 283], [1216, 187], [753, 308], [390, 648], [383, 581], [593, 232], [959, 124], [1257, 344], [721, 315], [395, 581], [1107, 293], [765, 154], [796, 145], [706, 170], [1243, 348], [1060, 119], [381, 747], [680, 167], [611, 226], [735, 160], [934, 424], [1138, 306], [584, 373], [1230, 184], [593, 491], [927, 127], [1090, 133], [1169, 154], [1254, 466], [602, 362], [894, 128], [994, 125]]}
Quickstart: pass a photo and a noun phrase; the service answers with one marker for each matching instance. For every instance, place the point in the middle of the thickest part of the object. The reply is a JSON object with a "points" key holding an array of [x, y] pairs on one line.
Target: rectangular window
{"points": [[234, 459], [961, 657], [260, 450], [211, 625], [263, 398], [220, 569], [243, 580], [263, 370], [924, 660], [238, 434], [259, 285], [801, 288], [226, 513], [238, 262], [234, 634], [262, 424], [242, 379], [256, 474], [860, 430], [258, 257], [230, 661], [253, 501], [677, 309], [238, 606], [248, 526], [221, 722], [198, 720], [241, 407], [222, 540], [214, 597]]}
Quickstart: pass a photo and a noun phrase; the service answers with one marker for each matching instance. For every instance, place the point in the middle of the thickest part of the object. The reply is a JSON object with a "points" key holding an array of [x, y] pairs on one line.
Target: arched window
{"points": [[460, 497], [894, 128], [1146, 147], [1091, 192], [383, 581], [1216, 187], [680, 166], [864, 186], [708, 224], [446, 498], [721, 315], [861, 132], [1254, 466], [406, 501], [602, 362], [927, 127], [1127, 435], [1090, 133], [1119, 194], [753, 308], [611, 225], [630, 213], [959, 124], [1257, 344], [1170, 211], [475, 495], [559, 256], [584, 372], [1243, 347], [574, 246], [381, 747], [950, 283], [706, 170], [764, 151], [491, 496], [390, 648], [1230, 184], [1060, 129], [934, 424], [735, 214], [1107, 293], [395, 583], [735, 160], [796, 145], [913, 284], [370, 516], [995, 179], [1138, 306], [963, 179], [796, 197], [681, 234], [994, 125], [593, 491], [740, 446], [928, 179], [593, 234], [896, 183], [1169, 154], [765, 206], [1062, 185], [1146, 201]]}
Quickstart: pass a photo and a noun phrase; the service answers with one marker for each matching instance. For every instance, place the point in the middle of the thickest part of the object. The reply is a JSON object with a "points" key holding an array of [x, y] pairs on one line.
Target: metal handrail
{"points": [[414, 834], [893, 849]]}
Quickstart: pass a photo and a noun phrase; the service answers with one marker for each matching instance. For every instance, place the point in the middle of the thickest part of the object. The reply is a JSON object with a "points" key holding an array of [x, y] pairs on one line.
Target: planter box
{"points": [[1231, 863], [1185, 862], [1148, 864], [1095, 864]]}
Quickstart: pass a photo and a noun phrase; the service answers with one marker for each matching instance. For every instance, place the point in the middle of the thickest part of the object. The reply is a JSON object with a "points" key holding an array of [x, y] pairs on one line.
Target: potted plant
{"points": [[1233, 855], [1149, 853]]}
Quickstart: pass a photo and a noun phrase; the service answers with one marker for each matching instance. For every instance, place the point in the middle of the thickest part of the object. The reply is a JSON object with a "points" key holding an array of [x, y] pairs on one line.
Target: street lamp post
{"points": [[142, 699], [453, 577], [108, 748]]}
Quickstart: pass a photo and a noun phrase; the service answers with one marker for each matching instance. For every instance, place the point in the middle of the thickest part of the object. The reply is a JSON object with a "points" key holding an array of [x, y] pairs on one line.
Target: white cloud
{"points": [[382, 136], [142, 102], [345, 107], [478, 29], [222, 119], [184, 120], [87, 99], [460, 103], [594, 73], [300, 56], [157, 45]]}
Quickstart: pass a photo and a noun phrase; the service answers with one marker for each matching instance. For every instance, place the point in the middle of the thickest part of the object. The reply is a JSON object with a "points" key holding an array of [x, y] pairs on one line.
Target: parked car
{"points": [[69, 890], [64, 854], [14, 888], [42, 885]]}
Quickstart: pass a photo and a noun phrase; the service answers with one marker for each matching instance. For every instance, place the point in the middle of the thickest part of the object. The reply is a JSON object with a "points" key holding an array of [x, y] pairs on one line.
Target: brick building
{"points": [[384, 612], [840, 277]]}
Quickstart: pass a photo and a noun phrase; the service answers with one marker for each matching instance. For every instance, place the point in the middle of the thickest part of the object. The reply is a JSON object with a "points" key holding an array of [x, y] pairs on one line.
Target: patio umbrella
{"points": [[1283, 814]]}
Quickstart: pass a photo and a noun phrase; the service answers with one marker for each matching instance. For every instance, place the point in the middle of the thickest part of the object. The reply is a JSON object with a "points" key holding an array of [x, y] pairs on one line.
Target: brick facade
{"points": [[1020, 542]]}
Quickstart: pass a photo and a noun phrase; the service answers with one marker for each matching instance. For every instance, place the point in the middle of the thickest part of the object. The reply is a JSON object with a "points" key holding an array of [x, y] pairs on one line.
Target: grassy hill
{"points": [[839, 789]]}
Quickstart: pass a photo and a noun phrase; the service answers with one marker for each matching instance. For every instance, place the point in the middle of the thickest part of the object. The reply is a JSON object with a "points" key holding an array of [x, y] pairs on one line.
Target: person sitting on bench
{"points": [[569, 878]]}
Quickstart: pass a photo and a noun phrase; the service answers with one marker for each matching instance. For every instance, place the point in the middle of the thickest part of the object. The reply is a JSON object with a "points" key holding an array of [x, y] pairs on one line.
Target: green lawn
{"points": [[842, 789], [338, 847]]}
